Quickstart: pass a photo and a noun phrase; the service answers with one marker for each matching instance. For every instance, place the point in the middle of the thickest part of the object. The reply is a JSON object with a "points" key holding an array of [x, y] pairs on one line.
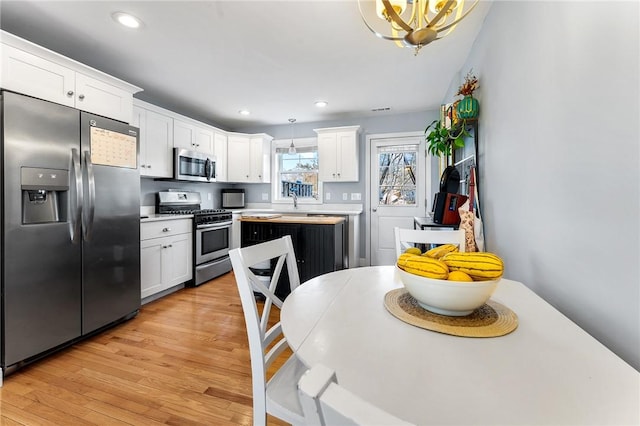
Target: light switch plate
{"points": [[355, 196], [327, 196], [209, 196], [265, 196], [344, 196]]}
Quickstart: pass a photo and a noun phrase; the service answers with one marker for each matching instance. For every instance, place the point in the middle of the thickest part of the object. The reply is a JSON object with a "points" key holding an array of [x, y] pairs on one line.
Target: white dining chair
{"points": [[406, 238], [325, 402], [278, 396]]}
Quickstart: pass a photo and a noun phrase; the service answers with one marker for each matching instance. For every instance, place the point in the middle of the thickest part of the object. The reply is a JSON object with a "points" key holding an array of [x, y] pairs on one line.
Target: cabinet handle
{"points": [[81, 97], [148, 166], [142, 166], [166, 229], [70, 93], [170, 245], [164, 247]]}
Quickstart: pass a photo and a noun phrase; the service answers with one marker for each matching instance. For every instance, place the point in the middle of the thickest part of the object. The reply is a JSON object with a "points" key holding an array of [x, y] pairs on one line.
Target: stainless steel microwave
{"points": [[194, 166]]}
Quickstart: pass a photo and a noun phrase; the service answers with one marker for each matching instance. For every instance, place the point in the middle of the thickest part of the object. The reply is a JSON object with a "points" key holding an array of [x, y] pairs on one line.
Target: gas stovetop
{"points": [[200, 216], [185, 202], [190, 210]]}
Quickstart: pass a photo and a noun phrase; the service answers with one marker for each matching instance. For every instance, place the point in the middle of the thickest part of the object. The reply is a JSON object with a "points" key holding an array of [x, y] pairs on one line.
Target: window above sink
{"points": [[296, 174]]}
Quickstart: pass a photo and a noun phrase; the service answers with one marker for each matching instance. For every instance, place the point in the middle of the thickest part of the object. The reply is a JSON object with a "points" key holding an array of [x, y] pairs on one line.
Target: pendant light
{"points": [[292, 148]]}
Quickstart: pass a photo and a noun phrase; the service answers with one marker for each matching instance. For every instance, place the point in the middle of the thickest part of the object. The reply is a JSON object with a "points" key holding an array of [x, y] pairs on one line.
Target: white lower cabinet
{"points": [[166, 255]]}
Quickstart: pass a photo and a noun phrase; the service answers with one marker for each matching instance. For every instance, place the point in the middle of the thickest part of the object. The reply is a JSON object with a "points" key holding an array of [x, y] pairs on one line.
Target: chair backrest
{"points": [[325, 402], [406, 237], [260, 337]]}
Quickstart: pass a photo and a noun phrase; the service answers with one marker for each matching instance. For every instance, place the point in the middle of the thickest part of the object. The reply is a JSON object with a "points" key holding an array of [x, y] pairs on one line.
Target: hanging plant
{"points": [[440, 139]]}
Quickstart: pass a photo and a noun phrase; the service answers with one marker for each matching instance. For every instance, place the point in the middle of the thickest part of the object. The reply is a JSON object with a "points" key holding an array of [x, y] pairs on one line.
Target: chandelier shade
{"points": [[413, 23]]}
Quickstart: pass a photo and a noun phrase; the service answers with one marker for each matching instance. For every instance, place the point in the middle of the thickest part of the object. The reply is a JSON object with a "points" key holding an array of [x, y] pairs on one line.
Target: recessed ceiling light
{"points": [[321, 104], [127, 20], [244, 112]]}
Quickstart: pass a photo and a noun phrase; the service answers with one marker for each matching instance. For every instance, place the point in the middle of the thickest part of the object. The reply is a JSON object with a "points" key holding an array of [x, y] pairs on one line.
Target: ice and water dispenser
{"points": [[44, 195]]}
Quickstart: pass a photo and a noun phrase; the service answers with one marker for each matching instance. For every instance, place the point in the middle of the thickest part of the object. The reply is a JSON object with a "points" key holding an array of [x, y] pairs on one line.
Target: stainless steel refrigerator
{"points": [[70, 226]]}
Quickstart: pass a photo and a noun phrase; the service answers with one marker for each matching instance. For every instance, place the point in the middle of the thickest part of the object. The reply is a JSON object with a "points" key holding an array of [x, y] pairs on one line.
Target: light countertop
{"points": [[287, 209], [290, 218], [156, 217]]}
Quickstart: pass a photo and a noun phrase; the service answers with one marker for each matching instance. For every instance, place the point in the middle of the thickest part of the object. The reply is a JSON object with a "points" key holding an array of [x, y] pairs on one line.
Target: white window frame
{"points": [[276, 198]]}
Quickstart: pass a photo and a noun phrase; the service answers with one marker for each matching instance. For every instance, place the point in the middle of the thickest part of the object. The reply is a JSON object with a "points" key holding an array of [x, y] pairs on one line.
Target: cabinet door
{"points": [[327, 157], [184, 135], [220, 152], [102, 98], [238, 168], [32, 75], [177, 260], [151, 266], [138, 119], [316, 250], [157, 131], [204, 140], [260, 159], [347, 156]]}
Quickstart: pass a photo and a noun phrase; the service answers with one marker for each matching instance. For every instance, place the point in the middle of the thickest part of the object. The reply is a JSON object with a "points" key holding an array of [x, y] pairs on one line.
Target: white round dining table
{"points": [[548, 371]]}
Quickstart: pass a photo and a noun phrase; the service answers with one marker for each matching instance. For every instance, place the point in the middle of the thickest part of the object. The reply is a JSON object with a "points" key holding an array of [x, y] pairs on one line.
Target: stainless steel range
{"points": [[212, 232]]}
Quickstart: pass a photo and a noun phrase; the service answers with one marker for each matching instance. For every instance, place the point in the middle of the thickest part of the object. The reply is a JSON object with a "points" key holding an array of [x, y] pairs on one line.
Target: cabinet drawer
{"points": [[165, 228]]}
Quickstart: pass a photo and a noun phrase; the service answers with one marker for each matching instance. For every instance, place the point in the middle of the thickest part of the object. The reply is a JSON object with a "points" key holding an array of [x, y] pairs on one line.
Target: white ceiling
{"points": [[209, 59]]}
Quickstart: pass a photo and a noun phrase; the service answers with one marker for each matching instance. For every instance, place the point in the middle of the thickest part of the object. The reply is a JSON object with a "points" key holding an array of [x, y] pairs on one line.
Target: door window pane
{"points": [[397, 175]]}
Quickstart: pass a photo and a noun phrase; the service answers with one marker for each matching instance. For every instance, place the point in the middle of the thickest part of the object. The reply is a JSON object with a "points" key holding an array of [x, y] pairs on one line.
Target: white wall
{"points": [[559, 157]]}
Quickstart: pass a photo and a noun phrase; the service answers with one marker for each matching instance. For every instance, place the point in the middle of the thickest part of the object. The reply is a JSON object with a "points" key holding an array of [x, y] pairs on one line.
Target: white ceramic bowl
{"points": [[452, 298]]}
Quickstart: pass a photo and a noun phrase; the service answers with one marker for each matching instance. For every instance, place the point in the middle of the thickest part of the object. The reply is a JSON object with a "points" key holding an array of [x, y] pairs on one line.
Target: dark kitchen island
{"points": [[318, 242]]}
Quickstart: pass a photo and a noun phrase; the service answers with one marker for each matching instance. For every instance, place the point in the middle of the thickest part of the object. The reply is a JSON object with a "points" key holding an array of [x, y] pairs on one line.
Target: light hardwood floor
{"points": [[184, 360]]}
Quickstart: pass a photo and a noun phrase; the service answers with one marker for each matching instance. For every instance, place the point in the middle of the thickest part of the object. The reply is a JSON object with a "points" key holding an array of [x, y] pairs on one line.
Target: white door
{"points": [[397, 191]]}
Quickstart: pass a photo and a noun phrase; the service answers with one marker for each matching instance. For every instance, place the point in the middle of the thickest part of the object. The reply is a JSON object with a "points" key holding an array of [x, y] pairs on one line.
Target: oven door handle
{"points": [[219, 225]]}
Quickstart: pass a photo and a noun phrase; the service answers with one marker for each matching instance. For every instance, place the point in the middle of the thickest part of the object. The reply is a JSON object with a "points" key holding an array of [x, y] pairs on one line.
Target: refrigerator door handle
{"points": [[87, 217], [75, 218]]}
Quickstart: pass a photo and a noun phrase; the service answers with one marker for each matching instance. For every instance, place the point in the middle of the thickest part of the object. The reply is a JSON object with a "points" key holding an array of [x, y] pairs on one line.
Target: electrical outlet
{"points": [[327, 196], [344, 196], [355, 196], [265, 196]]}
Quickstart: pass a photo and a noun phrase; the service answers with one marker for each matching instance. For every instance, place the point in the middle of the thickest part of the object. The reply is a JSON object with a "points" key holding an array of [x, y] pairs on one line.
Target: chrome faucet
{"points": [[295, 198]]}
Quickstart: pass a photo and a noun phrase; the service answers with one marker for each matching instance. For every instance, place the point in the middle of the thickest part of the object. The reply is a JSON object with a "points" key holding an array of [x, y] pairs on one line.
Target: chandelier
{"points": [[417, 25]]}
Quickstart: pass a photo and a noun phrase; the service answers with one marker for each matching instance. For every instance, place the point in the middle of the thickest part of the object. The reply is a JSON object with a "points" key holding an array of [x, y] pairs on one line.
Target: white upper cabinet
{"points": [[156, 140], [35, 71], [249, 158], [338, 149], [162, 130], [220, 152], [192, 136], [238, 166]]}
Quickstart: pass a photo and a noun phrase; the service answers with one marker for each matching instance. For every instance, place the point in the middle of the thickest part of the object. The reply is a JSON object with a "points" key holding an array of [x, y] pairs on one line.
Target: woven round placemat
{"points": [[490, 320]]}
